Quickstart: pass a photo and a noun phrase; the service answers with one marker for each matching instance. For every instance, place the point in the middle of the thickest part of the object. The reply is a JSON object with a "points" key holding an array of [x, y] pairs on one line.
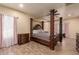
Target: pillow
{"points": [[40, 30], [35, 31], [46, 31]]}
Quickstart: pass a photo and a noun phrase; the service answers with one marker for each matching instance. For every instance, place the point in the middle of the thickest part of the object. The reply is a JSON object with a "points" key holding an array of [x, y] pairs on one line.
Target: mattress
{"points": [[42, 35]]}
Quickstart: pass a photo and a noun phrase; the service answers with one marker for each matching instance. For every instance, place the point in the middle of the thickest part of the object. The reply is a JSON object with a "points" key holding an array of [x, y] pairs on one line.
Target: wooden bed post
{"points": [[52, 29], [31, 24], [42, 25], [60, 29]]}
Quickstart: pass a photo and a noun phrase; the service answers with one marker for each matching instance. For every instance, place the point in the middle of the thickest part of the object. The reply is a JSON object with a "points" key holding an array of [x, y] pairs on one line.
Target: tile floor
{"points": [[32, 48]]}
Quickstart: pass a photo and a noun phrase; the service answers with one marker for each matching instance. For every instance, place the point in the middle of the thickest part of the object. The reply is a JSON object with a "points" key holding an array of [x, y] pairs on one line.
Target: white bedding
{"points": [[41, 34]]}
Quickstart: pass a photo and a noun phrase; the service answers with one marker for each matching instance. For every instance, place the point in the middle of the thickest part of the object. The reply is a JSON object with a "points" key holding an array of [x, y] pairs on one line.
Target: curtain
{"points": [[0, 30], [8, 27]]}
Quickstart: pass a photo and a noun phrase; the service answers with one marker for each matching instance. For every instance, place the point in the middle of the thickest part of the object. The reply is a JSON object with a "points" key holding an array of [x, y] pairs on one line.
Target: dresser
{"points": [[77, 42], [23, 38]]}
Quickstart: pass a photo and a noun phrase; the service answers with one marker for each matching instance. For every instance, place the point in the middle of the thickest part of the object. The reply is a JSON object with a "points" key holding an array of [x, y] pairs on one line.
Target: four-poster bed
{"points": [[49, 39]]}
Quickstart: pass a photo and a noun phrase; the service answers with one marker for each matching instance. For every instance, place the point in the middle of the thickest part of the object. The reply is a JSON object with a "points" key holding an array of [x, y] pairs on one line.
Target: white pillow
{"points": [[35, 31], [40, 31]]}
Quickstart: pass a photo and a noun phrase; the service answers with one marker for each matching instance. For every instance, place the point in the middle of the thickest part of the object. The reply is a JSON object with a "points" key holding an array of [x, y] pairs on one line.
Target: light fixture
{"points": [[21, 5], [69, 15]]}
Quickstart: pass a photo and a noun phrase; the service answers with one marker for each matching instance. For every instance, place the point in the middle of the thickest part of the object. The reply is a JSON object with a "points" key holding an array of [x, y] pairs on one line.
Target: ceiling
{"points": [[35, 9]]}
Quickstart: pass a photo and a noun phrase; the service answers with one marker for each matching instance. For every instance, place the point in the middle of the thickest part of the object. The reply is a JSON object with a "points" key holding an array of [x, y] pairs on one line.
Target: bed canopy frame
{"points": [[53, 38]]}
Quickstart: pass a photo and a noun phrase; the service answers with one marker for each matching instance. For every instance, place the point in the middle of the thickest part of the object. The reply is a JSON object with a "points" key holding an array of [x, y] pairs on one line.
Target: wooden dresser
{"points": [[23, 38], [77, 42]]}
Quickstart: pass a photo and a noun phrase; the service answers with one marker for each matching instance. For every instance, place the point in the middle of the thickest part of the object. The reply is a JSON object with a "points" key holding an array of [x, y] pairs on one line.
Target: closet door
{"points": [[66, 29]]}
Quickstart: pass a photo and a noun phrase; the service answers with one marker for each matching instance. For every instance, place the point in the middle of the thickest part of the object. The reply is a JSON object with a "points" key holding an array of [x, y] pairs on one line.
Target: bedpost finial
{"points": [[31, 18], [53, 11], [61, 18]]}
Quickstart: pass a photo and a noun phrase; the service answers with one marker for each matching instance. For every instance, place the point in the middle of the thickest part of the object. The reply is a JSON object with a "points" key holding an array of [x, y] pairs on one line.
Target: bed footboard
{"points": [[41, 41]]}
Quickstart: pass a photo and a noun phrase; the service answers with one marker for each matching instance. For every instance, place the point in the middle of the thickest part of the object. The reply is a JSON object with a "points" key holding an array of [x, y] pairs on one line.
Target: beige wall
{"points": [[23, 22], [73, 27]]}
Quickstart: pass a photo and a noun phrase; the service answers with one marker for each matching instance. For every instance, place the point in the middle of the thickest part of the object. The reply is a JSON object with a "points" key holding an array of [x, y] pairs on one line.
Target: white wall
{"points": [[23, 21]]}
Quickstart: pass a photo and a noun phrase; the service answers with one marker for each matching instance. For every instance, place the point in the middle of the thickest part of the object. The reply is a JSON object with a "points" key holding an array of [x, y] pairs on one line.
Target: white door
{"points": [[66, 29]]}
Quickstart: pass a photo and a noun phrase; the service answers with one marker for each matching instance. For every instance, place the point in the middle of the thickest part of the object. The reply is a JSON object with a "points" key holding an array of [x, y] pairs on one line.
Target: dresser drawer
{"points": [[23, 38]]}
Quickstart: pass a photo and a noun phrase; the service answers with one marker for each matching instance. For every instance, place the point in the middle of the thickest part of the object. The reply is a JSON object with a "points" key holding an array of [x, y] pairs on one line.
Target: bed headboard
{"points": [[37, 26]]}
